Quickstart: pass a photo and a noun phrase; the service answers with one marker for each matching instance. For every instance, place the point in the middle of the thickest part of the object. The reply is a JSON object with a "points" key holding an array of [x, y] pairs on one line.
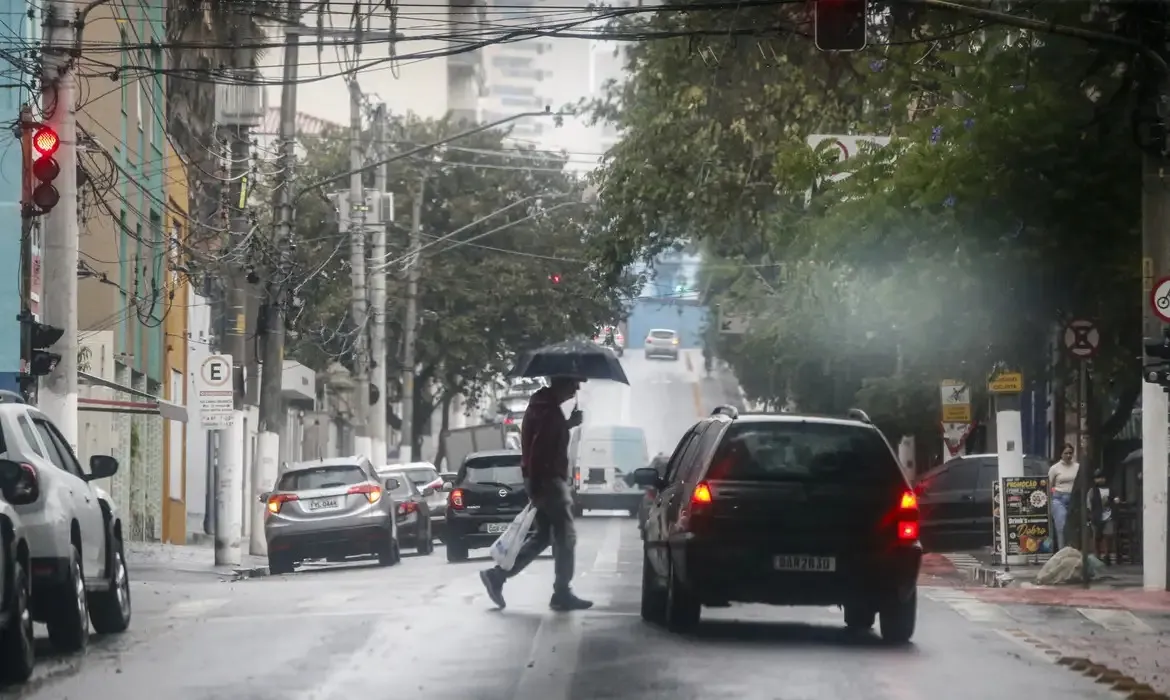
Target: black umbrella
{"points": [[572, 358]]}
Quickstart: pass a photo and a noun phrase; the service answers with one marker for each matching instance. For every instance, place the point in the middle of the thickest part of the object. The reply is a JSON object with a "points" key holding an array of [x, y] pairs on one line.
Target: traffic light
{"points": [[43, 168], [554, 278], [40, 338], [841, 25]]}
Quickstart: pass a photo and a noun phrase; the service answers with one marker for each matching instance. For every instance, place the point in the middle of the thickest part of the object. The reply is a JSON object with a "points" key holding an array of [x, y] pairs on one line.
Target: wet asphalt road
{"points": [[425, 627]]}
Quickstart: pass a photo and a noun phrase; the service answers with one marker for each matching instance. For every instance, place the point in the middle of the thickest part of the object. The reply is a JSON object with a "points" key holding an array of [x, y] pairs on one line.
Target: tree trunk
{"points": [[444, 426]]}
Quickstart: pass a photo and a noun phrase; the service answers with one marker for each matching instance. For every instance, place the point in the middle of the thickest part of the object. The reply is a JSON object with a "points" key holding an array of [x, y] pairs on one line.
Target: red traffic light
{"points": [[555, 279], [46, 141]]}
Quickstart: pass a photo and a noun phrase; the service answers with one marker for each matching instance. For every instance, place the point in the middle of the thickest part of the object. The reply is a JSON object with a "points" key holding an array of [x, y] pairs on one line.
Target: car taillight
{"points": [[407, 508], [674, 341], [455, 500], [276, 500], [701, 494], [908, 517], [372, 492]]}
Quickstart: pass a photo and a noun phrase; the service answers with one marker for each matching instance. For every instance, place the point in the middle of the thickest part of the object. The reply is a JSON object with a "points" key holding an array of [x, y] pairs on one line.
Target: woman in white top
{"points": [[1062, 477]]}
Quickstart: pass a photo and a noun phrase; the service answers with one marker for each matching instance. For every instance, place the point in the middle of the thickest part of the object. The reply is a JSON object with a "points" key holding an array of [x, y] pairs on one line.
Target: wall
{"points": [[197, 485], [174, 527], [16, 30]]}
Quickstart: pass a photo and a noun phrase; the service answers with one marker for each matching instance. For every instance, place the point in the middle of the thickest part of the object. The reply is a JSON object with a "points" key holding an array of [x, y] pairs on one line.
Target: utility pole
{"points": [[357, 261], [60, 229], [265, 467], [410, 324], [229, 485], [378, 292]]}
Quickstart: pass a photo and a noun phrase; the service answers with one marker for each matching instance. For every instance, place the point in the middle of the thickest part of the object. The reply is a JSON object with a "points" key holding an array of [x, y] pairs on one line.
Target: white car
{"points": [[72, 528], [17, 654]]}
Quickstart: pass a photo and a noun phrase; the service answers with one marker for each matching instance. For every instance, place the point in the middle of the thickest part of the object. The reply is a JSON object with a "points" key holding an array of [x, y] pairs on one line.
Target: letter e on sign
{"points": [[216, 371]]}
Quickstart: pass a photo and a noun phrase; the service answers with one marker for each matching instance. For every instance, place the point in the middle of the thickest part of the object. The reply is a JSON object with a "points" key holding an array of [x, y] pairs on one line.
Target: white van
{"points": [[604, 460]]}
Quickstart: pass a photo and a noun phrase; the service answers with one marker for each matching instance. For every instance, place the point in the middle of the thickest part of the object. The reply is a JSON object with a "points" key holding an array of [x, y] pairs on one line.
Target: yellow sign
{"points": [[1007, 383], [956, 413]]}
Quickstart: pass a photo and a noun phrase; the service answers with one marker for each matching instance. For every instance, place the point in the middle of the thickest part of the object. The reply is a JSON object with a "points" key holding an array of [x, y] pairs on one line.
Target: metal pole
{"points": [[1085, 458], [410, 325], [1155, 407], [229, 486], [357, 259], [272, 416], [378, 296], [60, 230]]}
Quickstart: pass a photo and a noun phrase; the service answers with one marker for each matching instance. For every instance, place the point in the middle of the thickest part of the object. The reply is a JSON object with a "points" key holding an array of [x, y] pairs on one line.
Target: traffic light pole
{"points": [[58, 393], [410, 325]]}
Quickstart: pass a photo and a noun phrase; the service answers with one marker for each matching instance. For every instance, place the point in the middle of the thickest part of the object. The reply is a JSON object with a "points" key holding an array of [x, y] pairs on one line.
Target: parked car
{"points": [[425, 477], [782, 509], [330, 508], [412, 510], [662, 342], [955, 501], [72, 528], [487, 494], [18, 486]]}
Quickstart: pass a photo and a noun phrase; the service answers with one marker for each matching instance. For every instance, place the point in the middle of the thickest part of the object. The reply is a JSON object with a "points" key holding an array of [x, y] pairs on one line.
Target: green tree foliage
{"points": [[1006, 203], [496, 223]]}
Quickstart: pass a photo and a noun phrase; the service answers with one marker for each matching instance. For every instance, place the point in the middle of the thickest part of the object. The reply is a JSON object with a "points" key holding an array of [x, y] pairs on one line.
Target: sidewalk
{"points": [[189, 559]]}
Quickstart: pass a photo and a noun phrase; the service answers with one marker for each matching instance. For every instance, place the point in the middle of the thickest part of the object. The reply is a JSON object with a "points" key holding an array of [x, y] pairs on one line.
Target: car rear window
{"points": [[804, 451], [661, 334], [493, 470], [422, 476], [322, 478]]}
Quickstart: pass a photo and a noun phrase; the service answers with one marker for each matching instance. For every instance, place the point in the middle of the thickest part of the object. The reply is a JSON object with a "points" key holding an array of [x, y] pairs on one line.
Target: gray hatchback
{"points": [[330, 508]]}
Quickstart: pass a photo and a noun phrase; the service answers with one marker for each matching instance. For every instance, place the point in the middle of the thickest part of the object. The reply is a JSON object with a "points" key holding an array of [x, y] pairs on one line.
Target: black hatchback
{"points": [[486, 496], [782, 509]]}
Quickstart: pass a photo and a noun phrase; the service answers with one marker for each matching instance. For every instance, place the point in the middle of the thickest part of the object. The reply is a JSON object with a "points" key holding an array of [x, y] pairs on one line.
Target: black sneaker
{"points": [[494, 583], [567, 602]]}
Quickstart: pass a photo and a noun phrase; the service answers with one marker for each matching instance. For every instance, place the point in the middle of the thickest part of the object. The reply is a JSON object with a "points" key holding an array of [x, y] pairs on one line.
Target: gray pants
{"points": [[554, 525]]}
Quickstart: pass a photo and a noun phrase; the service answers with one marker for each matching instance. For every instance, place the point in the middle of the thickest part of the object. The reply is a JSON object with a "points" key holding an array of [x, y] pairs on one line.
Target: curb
{"points": [[250, 572]]}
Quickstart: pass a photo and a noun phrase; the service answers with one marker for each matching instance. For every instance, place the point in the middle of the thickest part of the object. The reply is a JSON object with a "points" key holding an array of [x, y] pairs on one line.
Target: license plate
{"points": [[495, 528], [804, 562], [324, 504]]}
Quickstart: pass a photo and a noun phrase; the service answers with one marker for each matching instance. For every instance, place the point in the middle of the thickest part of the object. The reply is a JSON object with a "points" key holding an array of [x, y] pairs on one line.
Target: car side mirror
{"points": [[646, 477], [428, 492], [102, 466], [448, 487], [18, 482], [263, 498], [392, 484]]}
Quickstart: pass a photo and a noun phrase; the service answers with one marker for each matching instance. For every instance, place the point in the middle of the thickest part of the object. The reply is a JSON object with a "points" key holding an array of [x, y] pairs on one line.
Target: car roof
{"points": [[663, 330], [793, 418], [351, 461]]}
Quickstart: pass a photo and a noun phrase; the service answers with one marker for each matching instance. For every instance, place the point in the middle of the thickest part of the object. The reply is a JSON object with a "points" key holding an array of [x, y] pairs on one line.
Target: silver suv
{"points": [[17, 487], [330, 508], [72, 528]]}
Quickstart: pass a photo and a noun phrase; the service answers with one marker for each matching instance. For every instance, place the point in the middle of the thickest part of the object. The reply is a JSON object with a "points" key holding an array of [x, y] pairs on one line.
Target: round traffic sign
{"points": [[216, 371], [1081, 338], [1160, 299]]}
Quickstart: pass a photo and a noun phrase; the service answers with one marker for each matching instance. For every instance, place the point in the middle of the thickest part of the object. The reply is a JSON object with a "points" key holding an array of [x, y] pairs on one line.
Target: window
{"points": [[493, 470], [806, 451], [663, 335], [422, 477], [514, 90], [322, 478], [512, 61], [60, 453], [520, 101], [957, 475], [30, 436], [695, 458]]}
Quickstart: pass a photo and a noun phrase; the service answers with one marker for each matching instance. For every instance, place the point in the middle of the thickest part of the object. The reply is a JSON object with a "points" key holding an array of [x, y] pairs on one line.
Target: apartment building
{"points": [[132, 299]]}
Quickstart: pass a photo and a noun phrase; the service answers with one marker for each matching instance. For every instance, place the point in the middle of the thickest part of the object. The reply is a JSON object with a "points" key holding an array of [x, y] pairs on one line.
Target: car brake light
{"points": [[701, 494], [509, 421], [456, 499], [372, 492], [276, 500], [674, 341], [407, 507], [908, 517]]}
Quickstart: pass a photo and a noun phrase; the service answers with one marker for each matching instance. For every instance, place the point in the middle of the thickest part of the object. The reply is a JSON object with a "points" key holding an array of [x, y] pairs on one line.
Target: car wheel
{"points": [[426, 544], [653, 597], [389, 554], [456, 551], [109, 610], [682, 608], [898, 618], [68, 621], [279, 564], [859, 618], [17, 655]]}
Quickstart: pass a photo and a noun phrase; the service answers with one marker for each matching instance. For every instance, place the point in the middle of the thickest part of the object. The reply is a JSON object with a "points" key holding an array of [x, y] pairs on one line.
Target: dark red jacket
{"points": [[544, 439]]}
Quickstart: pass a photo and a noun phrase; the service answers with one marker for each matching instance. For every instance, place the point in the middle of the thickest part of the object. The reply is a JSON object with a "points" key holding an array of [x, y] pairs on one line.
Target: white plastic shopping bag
{"points": [[505, 549]]}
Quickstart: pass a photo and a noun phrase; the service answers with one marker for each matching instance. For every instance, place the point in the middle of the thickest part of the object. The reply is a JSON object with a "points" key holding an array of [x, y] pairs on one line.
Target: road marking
{"points": [[698, 400], [607, 556], [968, 606], [687, 357], [1116, 620], [197, 607], [552, 660]]}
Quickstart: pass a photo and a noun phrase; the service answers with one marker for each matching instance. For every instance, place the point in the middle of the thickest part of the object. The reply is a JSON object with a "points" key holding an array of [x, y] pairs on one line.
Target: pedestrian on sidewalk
{"points": [[1062, 478], [1100, 505], [544, 446]]}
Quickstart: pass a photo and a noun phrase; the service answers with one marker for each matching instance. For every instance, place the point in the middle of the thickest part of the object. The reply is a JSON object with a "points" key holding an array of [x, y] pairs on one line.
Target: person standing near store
{"points": [[1062, 479]]}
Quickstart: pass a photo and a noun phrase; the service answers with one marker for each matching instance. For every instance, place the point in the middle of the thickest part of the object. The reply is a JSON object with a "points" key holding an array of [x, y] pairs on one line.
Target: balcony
{"points": [[298, 382]]}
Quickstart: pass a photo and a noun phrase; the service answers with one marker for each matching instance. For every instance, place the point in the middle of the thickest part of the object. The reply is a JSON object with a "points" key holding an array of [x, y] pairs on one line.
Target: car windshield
{"points": [[805, 451], [332, 476], [494, 470], [664, 335]]}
